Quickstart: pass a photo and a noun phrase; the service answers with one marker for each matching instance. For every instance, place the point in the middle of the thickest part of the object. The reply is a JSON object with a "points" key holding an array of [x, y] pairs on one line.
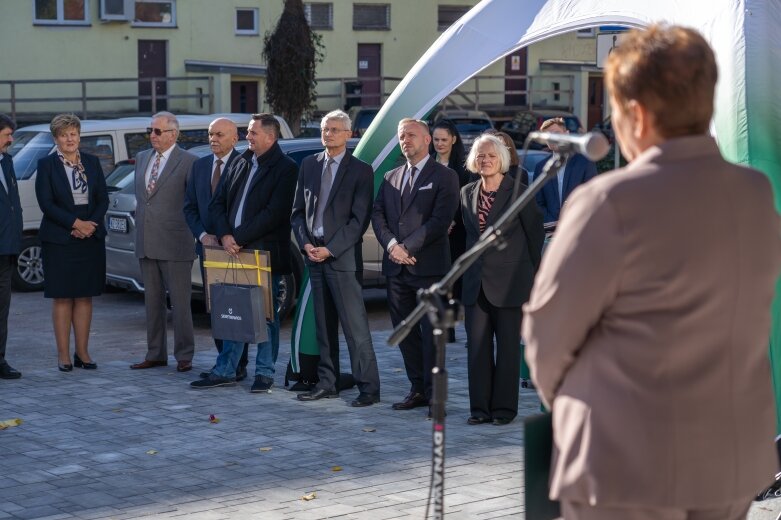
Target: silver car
{"points": [[122, 268]]}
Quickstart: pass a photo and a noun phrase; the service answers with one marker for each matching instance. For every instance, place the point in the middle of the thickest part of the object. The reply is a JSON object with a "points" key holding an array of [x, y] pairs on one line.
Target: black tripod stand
{"points": [[437, 303]]}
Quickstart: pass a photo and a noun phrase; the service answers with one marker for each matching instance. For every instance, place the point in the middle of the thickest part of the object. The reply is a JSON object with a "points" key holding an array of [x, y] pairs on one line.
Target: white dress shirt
{"points": [[163, 160]]}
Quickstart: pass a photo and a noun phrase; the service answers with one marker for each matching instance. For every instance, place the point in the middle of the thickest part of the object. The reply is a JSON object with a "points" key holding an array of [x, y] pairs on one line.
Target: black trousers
{"points": [[337, 297], [493, 376], [417, 349], [7, 266], [218, 342]]}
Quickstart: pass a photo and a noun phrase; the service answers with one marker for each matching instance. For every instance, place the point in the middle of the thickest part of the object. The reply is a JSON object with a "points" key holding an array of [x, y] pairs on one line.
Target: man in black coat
{"points": [[331, 212], [10, 236], [411, 215], [251, 210]]}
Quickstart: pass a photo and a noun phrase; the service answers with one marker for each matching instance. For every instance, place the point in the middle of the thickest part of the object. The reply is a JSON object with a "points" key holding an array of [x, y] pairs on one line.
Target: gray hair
{"points": [[337, 115], [62, 122], [170, 119], [499, 147]]}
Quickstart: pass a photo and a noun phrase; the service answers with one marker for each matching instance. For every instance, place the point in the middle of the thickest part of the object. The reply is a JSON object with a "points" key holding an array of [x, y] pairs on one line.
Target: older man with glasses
{"points": [[164, 245]]}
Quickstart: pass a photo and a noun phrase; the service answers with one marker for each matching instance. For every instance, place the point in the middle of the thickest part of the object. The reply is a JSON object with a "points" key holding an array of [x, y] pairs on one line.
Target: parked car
{"points": [[470, 123], [527, 121], [362, 117], [122, 269], [112, 141]]}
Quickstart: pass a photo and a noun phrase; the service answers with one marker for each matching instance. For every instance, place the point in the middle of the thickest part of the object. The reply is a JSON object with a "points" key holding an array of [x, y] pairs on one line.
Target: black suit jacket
{"points": [[10, 211], [198, 195], [422, 224], [53, 190], [506, 276], [577, 171], [266, 216], [347, 211]]}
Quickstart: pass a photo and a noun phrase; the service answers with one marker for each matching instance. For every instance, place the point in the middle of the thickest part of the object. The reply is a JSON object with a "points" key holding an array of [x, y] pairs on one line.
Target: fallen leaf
{"points": [[336, 468], [369, 430], [117, 410], [267, 448], [213, 419], [397, 370], [309, 496], [10, 423], [151, 452]]}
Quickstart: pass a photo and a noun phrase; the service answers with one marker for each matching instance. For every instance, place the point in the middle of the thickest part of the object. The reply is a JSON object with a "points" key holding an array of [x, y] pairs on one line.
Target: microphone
{"points": [[593, 145]]}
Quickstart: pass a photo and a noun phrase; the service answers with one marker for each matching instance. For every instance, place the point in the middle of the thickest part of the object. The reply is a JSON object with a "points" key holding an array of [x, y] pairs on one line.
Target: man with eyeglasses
{"points": [[411, 216], [164, 244], [251, 210], [331, 212]]}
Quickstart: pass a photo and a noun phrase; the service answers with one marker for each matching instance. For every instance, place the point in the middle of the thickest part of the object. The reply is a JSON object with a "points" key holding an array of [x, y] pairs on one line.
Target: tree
{"points": [[292, 52]]}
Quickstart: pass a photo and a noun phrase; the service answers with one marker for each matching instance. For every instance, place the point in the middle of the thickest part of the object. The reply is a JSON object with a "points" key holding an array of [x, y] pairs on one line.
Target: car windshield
{"points": [[26, 149], [472, 126], [121, 177]]}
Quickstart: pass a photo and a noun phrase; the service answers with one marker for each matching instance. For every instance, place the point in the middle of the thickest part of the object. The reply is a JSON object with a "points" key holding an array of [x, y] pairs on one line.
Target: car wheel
{"points": [[28, 275]]}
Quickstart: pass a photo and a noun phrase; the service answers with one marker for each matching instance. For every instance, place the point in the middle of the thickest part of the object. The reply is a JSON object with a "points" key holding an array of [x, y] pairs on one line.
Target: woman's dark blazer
{"points": [[506, 276], [53, 190]]}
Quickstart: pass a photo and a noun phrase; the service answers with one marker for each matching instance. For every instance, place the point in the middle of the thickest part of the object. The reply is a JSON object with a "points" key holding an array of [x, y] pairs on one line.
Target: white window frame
{"points": [[129, 12], [60, 20], [256, 17], [136, 23]]}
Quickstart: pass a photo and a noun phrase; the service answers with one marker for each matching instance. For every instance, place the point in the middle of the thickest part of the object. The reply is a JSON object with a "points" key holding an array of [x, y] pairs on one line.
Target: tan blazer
{"points": [[647, 330]]}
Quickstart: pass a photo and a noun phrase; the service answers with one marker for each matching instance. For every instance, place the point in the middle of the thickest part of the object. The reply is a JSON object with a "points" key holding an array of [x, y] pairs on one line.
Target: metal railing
{"points": [[15, 99]]}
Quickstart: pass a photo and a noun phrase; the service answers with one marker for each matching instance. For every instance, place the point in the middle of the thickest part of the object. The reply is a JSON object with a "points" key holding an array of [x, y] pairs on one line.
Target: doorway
{"points": [[152, 63], [244, 97], [515, 65], [369, 72], [596, 101]]}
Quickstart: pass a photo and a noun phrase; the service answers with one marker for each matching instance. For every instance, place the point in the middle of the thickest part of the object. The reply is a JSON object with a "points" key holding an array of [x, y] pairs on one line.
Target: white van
{"points": [[111, 140]]}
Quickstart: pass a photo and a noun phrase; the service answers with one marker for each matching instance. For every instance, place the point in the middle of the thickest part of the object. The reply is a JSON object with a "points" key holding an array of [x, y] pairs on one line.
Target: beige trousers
{"points": [[578, 511]]}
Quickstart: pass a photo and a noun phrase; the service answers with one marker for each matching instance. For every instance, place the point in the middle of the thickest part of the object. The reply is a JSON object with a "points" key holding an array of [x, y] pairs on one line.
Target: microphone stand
{"points": [[441, 313]]}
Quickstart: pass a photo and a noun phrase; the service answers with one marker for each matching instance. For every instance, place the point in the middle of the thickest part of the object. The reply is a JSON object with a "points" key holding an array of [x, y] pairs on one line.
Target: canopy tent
{"points": [[743, 33]]}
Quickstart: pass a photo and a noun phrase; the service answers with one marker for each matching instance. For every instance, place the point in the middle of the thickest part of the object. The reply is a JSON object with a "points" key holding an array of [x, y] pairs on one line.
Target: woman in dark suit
{"points": [[497, 285], [447, 148], [72, 194]]}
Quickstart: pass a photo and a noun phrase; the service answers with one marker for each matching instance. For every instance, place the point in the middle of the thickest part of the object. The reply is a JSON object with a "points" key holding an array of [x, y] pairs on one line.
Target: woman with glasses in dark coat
{"points": [[72, 194]]}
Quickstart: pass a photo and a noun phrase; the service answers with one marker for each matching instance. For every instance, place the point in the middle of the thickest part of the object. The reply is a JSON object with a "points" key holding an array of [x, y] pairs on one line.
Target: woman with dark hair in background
{"points": [[72, 194], [447, 148]]}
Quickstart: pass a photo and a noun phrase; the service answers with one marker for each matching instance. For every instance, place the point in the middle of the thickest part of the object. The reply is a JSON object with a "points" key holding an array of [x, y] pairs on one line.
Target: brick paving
{"points": [[116, 443]]}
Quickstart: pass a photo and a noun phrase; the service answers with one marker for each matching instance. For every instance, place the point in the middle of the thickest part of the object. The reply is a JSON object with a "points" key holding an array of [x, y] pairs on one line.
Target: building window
{"points": [[371, 17], [155, 13], [586, 33], [319, 15], [447, 15], [247, 21], [61, 12], [556, 91]]}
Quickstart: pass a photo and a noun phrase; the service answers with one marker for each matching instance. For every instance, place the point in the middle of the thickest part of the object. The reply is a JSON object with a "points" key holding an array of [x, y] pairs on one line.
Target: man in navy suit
{"points": [[411, 216], [10, 236], [576, 171], [202, 183], [331, 212]]}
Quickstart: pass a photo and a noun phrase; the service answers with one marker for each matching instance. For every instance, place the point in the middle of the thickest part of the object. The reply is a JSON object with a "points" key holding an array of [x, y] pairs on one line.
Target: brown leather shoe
{"points": [[413, 400], [184, 366], [149, 364]]}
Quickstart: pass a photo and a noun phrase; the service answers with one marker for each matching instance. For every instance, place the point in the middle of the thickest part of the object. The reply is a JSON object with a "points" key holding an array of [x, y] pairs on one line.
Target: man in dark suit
{"points": [[411, 215], [331, 212], [576, 171], [251, 210], [10, 236], [164, 244], [201, 186]]}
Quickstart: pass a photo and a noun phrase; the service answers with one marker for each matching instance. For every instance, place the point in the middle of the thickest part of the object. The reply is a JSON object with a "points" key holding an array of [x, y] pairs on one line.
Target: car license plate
{"points": [[117, 224]]}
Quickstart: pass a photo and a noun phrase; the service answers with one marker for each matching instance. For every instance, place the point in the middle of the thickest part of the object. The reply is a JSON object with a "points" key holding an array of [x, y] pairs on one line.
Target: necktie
{"points": [[405, 193], [325, 190], [153, 174], [216, 175]]}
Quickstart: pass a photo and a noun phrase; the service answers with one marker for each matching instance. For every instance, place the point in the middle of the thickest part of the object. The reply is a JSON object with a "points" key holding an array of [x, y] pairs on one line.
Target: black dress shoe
{"points": [[8, 372], [315, 395], [478, 420], [413, 400], [501, 421], [365, 400], [65, 367], [78, 363], [204, 375]]}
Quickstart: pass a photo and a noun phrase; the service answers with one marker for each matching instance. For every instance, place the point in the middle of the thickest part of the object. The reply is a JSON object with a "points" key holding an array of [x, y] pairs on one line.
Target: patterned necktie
{"points": [[153, 176], [325, 190], [216, 175], [405, 193]]}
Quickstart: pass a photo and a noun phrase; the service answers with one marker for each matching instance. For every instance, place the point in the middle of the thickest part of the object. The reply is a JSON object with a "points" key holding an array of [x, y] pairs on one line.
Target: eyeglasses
{"points": [[333, 130], [158, 131]]}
